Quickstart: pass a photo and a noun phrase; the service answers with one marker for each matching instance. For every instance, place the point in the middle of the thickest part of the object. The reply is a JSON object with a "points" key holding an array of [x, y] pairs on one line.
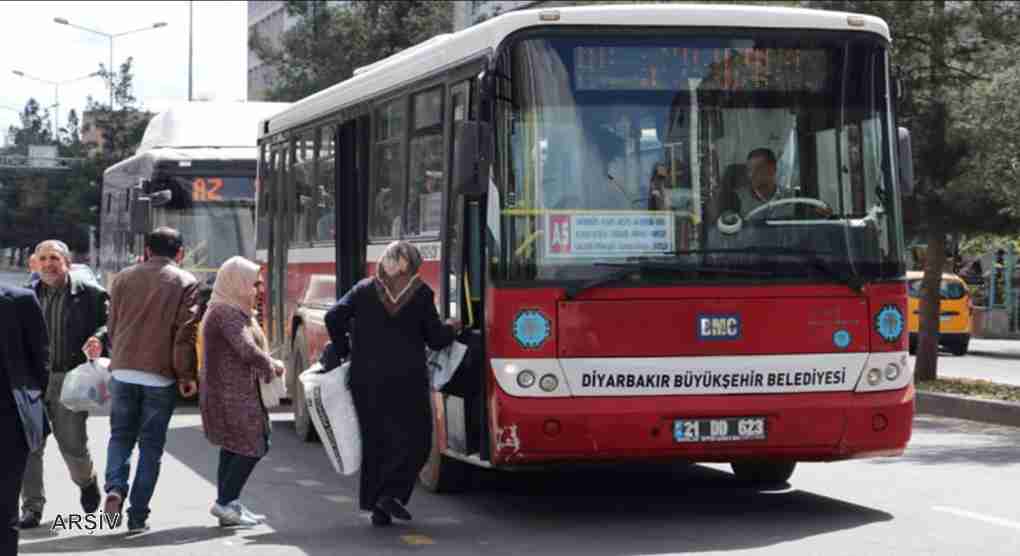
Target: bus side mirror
{"points": [[472, 157], [906, 161]]}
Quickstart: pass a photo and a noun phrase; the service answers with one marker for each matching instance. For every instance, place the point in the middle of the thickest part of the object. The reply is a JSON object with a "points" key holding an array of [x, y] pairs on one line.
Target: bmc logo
{"points": [[718, 327]]}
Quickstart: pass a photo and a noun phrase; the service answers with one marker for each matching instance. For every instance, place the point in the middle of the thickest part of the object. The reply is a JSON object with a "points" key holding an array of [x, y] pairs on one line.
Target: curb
{"points": [[966, 407]]}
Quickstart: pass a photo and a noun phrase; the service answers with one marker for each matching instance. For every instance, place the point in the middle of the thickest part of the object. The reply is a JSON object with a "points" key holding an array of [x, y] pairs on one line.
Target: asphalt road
{"points": [[995, 360], [952, 493]]}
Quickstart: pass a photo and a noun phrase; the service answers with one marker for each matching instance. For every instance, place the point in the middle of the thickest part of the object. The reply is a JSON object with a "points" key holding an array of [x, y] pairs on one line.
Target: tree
{"points": [[122, 124], [35, 128], [942, 49], [329, 42]]}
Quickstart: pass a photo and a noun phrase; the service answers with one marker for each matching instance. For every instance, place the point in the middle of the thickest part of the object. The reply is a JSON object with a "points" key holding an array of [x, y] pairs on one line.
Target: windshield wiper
{"points": [[851, 280], [641, 265], [618, 274]]}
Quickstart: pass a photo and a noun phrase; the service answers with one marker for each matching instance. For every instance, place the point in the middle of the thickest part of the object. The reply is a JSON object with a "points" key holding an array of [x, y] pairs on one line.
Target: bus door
{"points": [[462, 292]]}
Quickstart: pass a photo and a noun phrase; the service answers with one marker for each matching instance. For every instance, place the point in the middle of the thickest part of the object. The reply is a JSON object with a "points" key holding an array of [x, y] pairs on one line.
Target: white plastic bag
{"points": [[331, 408], [87, 386], [273, 392], [443, 364]]}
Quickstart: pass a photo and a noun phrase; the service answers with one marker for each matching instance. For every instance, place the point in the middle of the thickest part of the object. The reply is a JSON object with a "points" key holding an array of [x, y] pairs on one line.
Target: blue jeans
{"points": [[233, 473], [139, 414]]}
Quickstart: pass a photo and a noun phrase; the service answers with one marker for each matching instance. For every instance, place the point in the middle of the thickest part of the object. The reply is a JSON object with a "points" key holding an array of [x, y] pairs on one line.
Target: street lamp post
{"points": [[56, 93], [110, 36]]}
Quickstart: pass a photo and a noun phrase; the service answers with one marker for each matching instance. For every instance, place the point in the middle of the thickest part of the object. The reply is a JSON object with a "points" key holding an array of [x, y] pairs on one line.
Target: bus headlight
{"points": [[874, 377], [892, 372], [548, 382], [525, 379]]}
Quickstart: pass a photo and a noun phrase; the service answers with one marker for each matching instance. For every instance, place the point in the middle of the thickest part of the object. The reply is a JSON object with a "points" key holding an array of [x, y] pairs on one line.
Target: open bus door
{"points": [[460, 433]]}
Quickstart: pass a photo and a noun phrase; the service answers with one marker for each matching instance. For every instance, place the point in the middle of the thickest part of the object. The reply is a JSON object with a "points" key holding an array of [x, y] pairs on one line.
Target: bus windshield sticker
{"points": [[608, 234]]}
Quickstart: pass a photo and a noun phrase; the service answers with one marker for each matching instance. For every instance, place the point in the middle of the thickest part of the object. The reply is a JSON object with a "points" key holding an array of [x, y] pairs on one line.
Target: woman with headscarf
{"points": [[390, 318], [236, 358]]}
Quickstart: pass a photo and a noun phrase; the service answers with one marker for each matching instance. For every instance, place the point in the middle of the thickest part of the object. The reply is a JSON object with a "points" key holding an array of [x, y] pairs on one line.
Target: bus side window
{"points": [[385, 199], [322, 204], [424, 198]]}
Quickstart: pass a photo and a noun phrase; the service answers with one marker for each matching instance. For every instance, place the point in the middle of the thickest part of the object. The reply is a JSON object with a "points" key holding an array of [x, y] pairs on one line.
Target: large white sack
{"points": [[331, 408], [87, 386]]}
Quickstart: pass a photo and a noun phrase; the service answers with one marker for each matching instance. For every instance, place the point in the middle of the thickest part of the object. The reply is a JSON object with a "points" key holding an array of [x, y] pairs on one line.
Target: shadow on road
{"points": [[957, 441], [81, 543], [633, 509]]}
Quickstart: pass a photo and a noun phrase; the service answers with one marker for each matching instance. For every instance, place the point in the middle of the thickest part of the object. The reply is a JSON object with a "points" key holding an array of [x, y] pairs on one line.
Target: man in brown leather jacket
{"points": [[152, 330]]}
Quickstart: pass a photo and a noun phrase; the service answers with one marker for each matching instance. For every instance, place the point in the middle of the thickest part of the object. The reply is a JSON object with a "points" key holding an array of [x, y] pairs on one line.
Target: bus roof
{"points": [[450, 49], [207, 124]]}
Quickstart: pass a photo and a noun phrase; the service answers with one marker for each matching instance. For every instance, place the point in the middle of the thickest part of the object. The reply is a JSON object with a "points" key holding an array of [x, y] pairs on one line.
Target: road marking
{"points": [[338, 498], [442, 521], [283, 469], [308, 483], [980, 517], [416, 540]]}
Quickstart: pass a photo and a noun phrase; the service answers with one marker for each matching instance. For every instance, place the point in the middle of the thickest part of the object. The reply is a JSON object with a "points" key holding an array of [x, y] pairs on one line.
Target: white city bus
{"points": [[573, 177], [196, 167]]}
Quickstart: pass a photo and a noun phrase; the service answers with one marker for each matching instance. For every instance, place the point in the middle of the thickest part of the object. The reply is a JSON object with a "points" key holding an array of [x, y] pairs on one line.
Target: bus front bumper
{"points": [[800, 427]]}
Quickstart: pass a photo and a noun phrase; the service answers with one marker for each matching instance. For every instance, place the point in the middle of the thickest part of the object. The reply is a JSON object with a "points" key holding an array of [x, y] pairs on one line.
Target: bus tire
{"points": [[763, 472], [443, 474], [302, 421]]}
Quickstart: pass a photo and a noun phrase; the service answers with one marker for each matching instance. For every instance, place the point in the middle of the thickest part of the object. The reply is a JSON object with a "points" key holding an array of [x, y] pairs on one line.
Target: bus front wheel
{"points": [[302, 421], [763, 472]]}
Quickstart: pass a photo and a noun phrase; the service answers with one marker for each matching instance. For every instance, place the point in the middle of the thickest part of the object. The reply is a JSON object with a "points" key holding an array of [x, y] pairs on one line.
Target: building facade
{"points": [[269, 19]]}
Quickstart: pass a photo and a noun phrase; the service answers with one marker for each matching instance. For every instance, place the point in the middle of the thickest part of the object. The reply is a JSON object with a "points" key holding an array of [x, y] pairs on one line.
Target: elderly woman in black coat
{"points": [[390, 318]]}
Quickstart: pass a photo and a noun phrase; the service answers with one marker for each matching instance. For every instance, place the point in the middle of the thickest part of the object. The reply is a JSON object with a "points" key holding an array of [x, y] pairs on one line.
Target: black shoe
{"points": [[90, 497], [381, 518], [136, 528], [393, 507], [29, 519]]}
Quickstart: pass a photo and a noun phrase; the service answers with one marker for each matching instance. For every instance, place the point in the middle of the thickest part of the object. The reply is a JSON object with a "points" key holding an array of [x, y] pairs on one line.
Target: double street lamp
{"points": [[56, 93], [110, 36]]}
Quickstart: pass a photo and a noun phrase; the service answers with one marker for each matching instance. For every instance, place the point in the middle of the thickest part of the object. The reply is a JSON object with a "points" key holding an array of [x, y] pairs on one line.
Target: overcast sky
{"points": [[31, 42]]}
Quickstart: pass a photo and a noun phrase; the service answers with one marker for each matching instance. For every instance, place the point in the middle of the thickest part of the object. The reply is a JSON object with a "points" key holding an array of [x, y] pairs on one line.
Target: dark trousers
{"points": [[232, 475], [12, 469]]}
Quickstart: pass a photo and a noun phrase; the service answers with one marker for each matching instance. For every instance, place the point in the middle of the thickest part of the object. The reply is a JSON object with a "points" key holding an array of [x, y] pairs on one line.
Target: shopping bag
{"points": [[331, 408], [32, 412], [87, 386], [443, 364], [272, 392]]}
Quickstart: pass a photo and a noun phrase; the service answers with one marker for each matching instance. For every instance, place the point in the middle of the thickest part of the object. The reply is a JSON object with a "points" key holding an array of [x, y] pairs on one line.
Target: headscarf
{"points": [[233, 286], [234, 283], [396, 275]]}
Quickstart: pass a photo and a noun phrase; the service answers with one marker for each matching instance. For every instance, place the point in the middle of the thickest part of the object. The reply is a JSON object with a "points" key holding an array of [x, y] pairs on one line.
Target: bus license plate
{"points": [[719, 430]]}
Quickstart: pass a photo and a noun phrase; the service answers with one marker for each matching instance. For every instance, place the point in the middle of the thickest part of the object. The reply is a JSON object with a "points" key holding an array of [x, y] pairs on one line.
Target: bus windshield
{"points": [[216, 217], [752, 152]]}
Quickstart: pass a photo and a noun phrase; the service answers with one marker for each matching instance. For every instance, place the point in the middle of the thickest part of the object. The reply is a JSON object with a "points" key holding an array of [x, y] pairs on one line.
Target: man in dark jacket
{"points": [[24, 357], [75, 311]]}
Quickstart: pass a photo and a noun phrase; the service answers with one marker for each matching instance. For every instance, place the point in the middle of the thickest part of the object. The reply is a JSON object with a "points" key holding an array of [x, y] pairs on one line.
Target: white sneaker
{"points": [[244, 511], [230, 516]]}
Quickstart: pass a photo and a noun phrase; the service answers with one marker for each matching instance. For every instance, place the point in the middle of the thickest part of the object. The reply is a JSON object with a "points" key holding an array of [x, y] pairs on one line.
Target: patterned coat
{"points": [[232, 411]]}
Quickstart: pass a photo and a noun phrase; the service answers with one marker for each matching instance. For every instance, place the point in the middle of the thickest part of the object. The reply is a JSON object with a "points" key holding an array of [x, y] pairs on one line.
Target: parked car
{"points": [[955, 319]]}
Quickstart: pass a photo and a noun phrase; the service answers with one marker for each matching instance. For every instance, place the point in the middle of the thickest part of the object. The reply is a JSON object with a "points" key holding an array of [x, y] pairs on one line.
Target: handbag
{"points": [[32, 412], [272, 392]]}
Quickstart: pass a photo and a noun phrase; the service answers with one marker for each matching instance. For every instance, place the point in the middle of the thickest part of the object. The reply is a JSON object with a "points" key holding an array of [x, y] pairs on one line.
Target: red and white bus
{"points": [[673, 232]]}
